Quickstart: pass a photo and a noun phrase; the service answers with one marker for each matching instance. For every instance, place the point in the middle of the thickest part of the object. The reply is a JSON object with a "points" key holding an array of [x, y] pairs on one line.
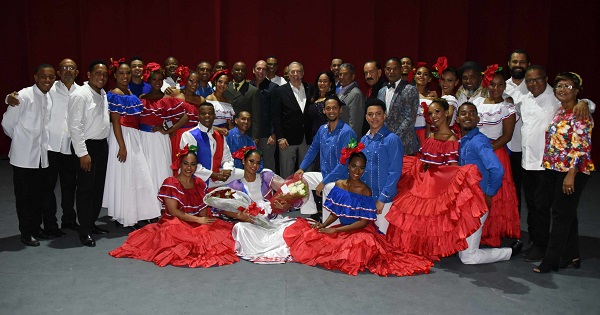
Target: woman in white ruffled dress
{"points": [[252, 242]]}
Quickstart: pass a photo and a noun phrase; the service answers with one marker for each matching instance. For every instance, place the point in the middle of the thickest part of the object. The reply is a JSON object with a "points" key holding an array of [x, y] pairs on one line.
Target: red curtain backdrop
{"points": [[560, 35]]}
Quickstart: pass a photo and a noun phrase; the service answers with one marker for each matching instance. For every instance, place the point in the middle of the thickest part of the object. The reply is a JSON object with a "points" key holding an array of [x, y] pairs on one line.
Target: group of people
{"points": [[400, 174]]}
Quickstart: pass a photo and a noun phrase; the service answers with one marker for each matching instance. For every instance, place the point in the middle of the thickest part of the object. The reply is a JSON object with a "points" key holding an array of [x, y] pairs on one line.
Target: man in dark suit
{"points": [[373, 77], [245, 97], [266, 142], [290, 120]]}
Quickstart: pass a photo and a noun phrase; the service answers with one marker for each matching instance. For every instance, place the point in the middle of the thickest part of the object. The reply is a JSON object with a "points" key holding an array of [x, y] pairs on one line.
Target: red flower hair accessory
{"points": [[183, 72], [218, 74], [239, 154], [114, 65], [440, 66], [149, 69], [411, 74], [187, 149], [488, 74], [352, 147]]}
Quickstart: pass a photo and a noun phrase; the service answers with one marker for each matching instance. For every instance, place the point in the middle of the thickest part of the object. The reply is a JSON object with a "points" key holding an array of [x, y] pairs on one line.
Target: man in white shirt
{"points": [[272, 64], [59, 151], [537, 110], [27, 126], [89, 126], [517, 89], [214, 158]]}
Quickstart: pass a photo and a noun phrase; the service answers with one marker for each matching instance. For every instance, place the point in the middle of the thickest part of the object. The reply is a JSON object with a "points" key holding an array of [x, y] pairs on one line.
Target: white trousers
{"points": [[473, 255]]}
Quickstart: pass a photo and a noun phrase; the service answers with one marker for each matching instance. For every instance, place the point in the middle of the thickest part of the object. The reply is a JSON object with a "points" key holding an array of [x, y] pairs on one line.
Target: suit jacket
{"points": [[354, 111], [402, 115], [248, 99], [289, 121], [265, 89]]}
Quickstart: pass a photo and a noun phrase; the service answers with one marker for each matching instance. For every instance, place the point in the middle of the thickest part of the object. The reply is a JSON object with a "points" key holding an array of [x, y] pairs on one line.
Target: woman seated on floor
{"points": [[186, 234], [356, 244]]}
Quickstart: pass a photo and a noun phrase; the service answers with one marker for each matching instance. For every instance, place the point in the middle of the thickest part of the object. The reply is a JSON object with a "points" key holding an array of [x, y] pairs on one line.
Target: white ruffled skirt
{"points": [[260, 245], [157, 150], [129, 192]]}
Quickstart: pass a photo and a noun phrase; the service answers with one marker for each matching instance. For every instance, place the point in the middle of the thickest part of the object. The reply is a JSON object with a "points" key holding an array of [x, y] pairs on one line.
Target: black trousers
{"points": [[563, 244], [28, 184], [517, 173], [65, 166], [538, 197], [90, 185]]}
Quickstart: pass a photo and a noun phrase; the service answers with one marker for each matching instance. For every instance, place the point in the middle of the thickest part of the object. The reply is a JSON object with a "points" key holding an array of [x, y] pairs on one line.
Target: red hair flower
{"points": [[149, 69], [114, 65], [183, 72], [411, 74], [187, 149], [239, 154], [440, 66], [488, 74], [352, 147], [218, 74]]}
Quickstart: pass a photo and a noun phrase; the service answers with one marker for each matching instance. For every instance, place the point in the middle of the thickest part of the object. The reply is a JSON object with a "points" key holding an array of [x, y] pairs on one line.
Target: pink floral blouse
{"points": [[569, 143]]}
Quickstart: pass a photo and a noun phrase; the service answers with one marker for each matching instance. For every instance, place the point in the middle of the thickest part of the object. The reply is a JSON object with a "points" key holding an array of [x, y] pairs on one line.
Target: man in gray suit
{"points": [[245, 97], [351, 95]]}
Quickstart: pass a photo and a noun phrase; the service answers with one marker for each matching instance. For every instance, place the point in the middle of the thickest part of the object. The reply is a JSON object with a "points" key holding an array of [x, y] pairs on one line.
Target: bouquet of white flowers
{"points": [[293, 193]]}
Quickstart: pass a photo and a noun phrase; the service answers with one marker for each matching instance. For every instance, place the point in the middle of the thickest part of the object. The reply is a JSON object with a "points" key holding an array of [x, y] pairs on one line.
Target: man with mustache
{"points": [[373, 77], [471, 73]]}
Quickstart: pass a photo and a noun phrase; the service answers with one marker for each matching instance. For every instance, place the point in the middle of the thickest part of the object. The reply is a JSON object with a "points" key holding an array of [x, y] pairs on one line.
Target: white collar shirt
{"points": [[59, 139], [300, 95], [87, 117]]}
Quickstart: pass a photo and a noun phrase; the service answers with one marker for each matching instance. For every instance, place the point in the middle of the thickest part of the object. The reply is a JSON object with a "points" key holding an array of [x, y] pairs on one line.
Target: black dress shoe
{"points": [[71, 226], [516, 247], [42, 235], [54, 233], [97, 230], [29, 241], [87, 240]]}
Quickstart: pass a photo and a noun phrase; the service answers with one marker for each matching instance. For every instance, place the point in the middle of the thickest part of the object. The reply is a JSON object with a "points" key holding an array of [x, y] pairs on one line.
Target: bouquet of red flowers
{"points": [[225, 198], [293, 193]]}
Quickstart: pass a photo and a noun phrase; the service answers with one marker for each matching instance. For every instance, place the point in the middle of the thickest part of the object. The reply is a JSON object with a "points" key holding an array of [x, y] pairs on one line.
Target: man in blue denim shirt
{"points": [[328, 142], [475, 148]]}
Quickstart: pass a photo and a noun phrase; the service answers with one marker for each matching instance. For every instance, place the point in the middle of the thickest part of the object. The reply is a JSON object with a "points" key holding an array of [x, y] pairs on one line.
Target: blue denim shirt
{"points": [[384, 153], [236, 140], [475, 148], [330, 145]]}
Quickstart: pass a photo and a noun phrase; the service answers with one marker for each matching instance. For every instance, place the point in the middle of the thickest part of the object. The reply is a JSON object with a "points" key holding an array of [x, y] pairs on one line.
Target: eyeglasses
{"points": [[564, 86], [71, 68], [535, 80]]}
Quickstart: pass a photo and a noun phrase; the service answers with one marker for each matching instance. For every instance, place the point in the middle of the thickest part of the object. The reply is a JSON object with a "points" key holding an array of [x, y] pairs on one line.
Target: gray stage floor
{"points": [[62, 277]]}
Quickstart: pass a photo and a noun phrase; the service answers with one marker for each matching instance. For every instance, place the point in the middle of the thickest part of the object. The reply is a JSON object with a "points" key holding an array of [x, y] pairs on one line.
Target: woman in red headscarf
{"points": [[186, 234]]}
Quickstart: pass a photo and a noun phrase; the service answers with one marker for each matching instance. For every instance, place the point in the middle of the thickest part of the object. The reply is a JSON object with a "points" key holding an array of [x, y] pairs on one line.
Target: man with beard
{"points": [[406, 65], [272, 64], [335, 69], [351, 95], [245, 97], [137, 86], [517, 89], [328, 143], [471, 83], [266, 140], [204, 70]]}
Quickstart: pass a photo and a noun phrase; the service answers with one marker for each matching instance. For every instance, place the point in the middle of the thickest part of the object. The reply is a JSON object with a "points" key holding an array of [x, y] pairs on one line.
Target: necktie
{"points": [[236, 86], [338, 87]]}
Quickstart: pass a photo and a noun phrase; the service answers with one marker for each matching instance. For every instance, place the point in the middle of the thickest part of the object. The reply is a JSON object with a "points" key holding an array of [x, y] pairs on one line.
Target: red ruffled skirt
{"points": [[504, 219], [178, 243], [351, 252], [435, 211]]}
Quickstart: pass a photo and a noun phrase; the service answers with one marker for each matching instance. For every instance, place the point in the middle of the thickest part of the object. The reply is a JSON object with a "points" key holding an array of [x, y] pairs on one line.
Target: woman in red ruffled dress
{"points": [[186, 234], [356, 244], [438, 204], [497, 119]]}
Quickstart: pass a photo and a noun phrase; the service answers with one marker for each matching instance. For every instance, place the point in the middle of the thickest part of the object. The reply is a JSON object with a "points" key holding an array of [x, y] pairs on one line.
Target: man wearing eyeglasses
{"points": [[60, 159], [27, 126], [537, 110]]}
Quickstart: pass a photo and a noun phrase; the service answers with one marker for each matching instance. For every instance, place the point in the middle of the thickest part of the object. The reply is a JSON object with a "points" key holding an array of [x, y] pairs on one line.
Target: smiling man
{"points": [[237, 137], [245, 97], [89, 126], [27, 126], [328, 143], [471, 74], [137, 86]]}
